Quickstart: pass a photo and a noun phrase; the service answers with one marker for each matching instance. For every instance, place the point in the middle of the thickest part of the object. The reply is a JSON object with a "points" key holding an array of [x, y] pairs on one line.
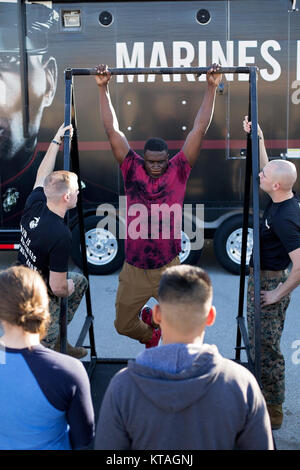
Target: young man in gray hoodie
{"points": [[183, 395]]}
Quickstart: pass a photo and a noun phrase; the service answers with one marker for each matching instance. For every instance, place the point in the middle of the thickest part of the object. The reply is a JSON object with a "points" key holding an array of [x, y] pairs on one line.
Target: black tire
{"points": [[103, 258], [188, 255], [228, 243]]}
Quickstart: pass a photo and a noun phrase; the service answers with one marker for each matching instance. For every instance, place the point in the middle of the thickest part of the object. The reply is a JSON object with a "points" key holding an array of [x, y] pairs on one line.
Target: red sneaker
{"points": [[146, 316], [155, 339]]}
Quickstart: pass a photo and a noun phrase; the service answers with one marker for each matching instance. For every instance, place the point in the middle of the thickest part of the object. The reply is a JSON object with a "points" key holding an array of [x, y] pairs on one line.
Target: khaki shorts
{"points": [[136, 286]]}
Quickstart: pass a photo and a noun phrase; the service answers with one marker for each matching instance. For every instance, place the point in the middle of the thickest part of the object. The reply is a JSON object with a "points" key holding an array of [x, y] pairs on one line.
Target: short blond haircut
{"points": [[24, 299], [59, 183]]}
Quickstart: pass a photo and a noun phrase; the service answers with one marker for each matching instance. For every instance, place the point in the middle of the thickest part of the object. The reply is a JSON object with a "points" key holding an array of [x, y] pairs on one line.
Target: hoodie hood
{"points": [[175, 376]]}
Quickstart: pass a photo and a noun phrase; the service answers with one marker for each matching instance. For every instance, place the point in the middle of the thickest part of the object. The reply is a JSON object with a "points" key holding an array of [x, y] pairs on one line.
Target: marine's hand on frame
{"points": [[61, 132]]}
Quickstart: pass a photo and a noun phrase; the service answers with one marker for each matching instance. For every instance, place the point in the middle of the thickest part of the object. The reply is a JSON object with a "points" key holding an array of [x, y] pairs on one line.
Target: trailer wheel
{"points": [[105, 252], [228, 243], [187, 255]]}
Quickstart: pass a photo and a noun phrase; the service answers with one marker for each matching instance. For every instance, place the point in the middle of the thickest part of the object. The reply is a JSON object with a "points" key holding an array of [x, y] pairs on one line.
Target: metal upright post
{"points": [[256, 246], [68, 114], [252, 168], [71, 153], [66, 165], [76, 167], [241, 330]]}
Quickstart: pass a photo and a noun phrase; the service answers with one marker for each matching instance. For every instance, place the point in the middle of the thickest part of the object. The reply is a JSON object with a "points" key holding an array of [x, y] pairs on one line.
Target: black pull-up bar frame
{"points": [[159, 70], [252, 169]]}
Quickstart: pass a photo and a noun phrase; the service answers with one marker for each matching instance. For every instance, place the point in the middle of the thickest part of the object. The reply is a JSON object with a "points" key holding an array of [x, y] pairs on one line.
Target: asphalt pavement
{"points": [[110, 345]]}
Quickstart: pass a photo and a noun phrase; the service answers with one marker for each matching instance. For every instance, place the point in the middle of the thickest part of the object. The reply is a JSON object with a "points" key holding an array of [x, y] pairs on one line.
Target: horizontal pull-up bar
{"points": [[161, 70]]}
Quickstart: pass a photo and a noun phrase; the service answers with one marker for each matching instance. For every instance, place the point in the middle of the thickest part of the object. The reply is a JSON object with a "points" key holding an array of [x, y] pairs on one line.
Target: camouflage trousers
{"points": [[272, 323], [80, 284]]}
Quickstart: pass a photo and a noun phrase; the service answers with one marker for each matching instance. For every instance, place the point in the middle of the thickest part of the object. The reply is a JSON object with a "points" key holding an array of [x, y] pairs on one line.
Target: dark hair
{"points": [[24, 299], [185, 284], [156, 144]]}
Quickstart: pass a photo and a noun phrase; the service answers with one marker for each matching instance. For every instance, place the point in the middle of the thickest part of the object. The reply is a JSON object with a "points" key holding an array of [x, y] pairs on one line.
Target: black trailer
{"points": [[40, 40]]}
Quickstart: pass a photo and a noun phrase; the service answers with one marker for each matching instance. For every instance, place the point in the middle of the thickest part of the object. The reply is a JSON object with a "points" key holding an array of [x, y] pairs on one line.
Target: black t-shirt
{"points": [[45, 238], [279, 234]]}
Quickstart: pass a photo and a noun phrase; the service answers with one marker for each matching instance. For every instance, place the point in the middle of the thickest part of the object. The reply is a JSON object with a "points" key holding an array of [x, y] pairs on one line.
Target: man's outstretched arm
{"points": [[48, 163], [263, 156], [117, 139], [192, 145]]}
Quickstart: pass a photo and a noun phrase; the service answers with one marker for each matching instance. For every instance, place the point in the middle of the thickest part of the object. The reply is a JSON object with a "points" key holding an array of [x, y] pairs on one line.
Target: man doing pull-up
{"points": [[153, 179]]}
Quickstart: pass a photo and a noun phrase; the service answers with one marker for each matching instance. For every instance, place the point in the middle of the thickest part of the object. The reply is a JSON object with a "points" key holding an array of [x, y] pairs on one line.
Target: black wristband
{"points": [[55, 142]]}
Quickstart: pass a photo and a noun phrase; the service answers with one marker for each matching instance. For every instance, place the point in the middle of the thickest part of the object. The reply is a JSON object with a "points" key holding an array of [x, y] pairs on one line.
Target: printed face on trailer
{"points": [[42, 79]]}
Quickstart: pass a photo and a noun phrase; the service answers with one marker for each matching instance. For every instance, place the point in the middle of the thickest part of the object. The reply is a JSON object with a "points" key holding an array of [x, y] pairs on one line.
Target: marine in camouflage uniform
{"points": [[272, 323], [279, 239], [80, 283]]}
